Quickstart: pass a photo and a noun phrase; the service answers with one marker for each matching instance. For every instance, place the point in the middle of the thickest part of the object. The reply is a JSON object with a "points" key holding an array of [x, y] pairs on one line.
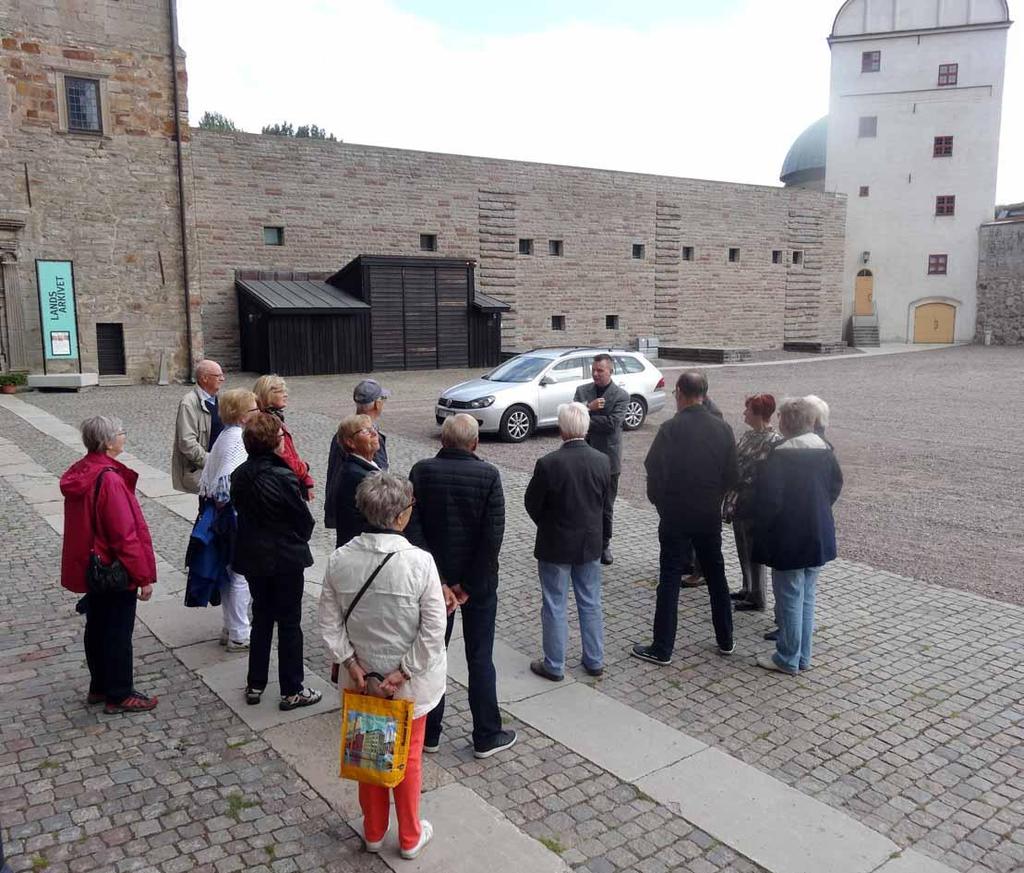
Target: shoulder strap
{"points": [[366, 585], [95, 500]]}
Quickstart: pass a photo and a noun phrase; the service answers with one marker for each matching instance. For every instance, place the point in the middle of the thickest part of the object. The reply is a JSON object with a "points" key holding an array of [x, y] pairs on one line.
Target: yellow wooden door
{"points": [[933, 323], [864, 293]]}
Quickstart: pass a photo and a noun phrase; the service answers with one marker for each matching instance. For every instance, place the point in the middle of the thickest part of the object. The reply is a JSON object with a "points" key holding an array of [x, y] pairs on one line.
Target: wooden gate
{"points": [[934, 323]]}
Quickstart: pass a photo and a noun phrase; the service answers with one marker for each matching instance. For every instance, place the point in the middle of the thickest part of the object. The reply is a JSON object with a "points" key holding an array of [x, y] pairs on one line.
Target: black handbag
{"points": [[103, 578]]}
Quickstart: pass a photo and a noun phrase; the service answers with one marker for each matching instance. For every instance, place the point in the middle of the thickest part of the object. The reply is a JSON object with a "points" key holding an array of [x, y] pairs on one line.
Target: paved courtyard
{"points": [[903, 750]]}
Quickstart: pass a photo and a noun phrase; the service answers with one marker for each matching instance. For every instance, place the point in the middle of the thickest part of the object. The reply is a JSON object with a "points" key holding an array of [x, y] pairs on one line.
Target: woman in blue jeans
{"points": [[794, 532]]}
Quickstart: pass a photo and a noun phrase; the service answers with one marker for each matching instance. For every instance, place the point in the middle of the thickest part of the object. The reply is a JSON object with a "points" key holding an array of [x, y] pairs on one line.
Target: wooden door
{"points": [[934, 322], [452, 318], [388, 318], [864, 293], [420, 318], [110, 349]]}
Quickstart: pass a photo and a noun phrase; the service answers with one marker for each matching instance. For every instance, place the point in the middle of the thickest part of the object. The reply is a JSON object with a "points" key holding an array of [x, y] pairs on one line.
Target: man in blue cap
{"points": [[369, 396]]}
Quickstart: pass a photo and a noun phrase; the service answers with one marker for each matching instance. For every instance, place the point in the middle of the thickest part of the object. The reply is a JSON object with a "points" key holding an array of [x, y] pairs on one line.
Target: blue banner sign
{"points": [[57, 316]]}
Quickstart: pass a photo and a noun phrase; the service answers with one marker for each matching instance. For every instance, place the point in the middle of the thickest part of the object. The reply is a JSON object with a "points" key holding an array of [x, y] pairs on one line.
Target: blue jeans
{"points": [[554, 586], [794, 599]]}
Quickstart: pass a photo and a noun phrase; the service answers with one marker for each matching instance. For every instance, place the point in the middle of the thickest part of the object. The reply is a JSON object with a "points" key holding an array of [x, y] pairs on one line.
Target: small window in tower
{"points": [[558, 322], [82, 97], [526, 246], [611, 322], [948, 74], [943, 147], [865, 191], [867, 126], [945, 204], [870, 62], [776, 256], [555, 247], [428, 242], [734, 256], [273, 236], [687, 253], [798, 258], [937, 265], [638, 251]]}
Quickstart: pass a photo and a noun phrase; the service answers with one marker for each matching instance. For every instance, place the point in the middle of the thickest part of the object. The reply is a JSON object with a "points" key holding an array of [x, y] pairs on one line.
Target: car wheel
{"points": [[516, 424], [636, 413]]}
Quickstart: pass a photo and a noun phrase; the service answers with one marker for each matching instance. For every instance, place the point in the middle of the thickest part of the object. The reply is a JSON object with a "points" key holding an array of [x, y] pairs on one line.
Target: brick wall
{"points": [[1001, 282], [338, 200]]}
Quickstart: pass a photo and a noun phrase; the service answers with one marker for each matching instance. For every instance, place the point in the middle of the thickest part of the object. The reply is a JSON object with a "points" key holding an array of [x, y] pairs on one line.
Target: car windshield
{"points": [[521, 369]]}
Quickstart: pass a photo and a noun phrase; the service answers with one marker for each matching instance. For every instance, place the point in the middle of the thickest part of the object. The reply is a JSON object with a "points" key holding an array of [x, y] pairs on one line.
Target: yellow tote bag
{"points": [[375, 734]]}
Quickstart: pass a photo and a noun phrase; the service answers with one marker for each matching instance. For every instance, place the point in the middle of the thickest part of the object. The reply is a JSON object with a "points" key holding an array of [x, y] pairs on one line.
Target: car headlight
{"points": [[481, 402]]}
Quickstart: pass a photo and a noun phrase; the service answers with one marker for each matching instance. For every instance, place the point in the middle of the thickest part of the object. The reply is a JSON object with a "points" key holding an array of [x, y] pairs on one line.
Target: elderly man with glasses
{"points": [[197, 427]]}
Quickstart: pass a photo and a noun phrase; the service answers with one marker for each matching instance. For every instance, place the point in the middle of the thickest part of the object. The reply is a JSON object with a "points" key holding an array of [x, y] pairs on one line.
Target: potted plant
{"points": [[9, 382]]}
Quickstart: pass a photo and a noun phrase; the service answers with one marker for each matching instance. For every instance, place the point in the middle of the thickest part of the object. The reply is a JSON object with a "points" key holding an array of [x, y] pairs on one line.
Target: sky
{"points": [[706, 89]]}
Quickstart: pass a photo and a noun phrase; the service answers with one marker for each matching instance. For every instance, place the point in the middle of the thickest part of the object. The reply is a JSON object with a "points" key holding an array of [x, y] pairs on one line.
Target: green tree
{"points": [[303, 131], [216, 121]]}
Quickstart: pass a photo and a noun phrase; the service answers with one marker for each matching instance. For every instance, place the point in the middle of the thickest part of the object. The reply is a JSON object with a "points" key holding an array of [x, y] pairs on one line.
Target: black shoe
{"points": [[694, 580], [726, 648], [501, 741], [646, 653], [431, 748], [594, 671], [747, 606], [772, 635], [539, 669], [606, 555], [738, 595]]}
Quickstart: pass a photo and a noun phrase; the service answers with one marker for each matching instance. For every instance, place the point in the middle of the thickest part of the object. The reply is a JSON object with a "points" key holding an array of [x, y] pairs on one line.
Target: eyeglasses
{"points": [[254, 410], [408, 507], [362, 430]]}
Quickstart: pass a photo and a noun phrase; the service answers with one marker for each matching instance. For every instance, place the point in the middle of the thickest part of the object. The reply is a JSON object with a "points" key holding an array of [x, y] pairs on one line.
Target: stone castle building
{"points": [[150, 221]]}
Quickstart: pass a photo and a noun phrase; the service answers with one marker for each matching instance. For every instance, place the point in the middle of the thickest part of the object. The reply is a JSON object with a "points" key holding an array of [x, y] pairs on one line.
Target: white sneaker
{"points": [[237, 645], [376, 846], [223, 637], [426, 832]]}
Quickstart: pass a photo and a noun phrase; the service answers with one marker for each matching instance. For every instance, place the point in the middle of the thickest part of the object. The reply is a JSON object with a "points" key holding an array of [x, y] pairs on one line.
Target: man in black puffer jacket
{"points": [[459, 518]]}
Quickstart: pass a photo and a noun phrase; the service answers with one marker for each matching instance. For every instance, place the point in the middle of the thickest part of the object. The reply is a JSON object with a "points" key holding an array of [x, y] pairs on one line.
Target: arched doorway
{"points": [[864, 293], [934, 323]]}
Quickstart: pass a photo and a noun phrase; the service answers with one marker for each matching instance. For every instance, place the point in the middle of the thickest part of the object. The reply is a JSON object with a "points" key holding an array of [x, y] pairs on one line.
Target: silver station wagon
{"points": [[525, 392]]}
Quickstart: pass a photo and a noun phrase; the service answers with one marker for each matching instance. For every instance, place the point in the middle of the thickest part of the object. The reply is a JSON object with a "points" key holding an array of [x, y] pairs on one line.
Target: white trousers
{"points": [[234, 600]]}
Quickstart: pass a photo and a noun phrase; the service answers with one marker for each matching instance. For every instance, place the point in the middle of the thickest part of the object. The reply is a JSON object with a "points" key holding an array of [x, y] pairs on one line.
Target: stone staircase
{"points": [[864, 331]]}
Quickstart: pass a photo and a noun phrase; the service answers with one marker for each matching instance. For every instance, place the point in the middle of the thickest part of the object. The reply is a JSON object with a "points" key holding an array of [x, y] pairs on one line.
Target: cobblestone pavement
{"points": [[911, 722]]}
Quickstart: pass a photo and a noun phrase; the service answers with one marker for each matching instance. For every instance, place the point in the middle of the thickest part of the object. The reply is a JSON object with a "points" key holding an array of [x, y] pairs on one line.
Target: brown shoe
{"points": [[694, 580], [537, 667], [92, 699], [134, 702]]}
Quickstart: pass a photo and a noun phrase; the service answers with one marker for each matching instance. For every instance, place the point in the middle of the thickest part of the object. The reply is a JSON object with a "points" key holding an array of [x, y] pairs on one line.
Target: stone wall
{"points": [[337, 200], [1001, 282], [108, 202]]}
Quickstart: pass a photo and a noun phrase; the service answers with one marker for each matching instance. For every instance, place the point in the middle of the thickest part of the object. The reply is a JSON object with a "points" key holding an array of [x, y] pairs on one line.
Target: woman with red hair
{"points": [[753, 447]]}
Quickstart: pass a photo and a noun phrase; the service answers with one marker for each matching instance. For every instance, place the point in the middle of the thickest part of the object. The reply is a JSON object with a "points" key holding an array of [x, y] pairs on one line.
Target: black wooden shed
{"points": [[376, 313]]}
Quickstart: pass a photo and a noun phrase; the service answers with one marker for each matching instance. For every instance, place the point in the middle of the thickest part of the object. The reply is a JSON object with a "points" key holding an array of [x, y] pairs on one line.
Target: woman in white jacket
{"points": [[396, 629]]}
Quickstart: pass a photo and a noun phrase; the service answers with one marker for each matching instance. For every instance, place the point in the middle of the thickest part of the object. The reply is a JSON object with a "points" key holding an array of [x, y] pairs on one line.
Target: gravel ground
{"points": [[934, 473]]}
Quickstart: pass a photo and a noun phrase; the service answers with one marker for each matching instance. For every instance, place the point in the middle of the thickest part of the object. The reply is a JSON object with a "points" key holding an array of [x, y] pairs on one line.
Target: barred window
{"points": [[948, 74], [937, 265], [945, 204], [870, 62], [83, 102], [943, 147]]}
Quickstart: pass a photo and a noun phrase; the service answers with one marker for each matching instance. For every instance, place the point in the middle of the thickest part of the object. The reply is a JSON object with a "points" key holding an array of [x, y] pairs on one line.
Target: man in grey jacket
{"points": [[607, 404], [196, 427]]}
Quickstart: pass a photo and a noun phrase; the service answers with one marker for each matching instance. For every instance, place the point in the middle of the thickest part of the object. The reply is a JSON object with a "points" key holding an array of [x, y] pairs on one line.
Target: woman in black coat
{"points": [[358, 437], [272, 551]]}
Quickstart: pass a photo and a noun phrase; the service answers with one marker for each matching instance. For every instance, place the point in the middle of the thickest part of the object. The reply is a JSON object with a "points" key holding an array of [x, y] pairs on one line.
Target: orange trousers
{"points": [[376, 801]]}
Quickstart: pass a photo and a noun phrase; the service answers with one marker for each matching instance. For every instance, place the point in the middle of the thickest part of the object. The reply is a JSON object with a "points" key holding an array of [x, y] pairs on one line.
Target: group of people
{"points": [[413, 551]]}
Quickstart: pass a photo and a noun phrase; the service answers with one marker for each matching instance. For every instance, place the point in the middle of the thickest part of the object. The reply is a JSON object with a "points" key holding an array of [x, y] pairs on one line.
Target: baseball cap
{"points": [[369, 390]]}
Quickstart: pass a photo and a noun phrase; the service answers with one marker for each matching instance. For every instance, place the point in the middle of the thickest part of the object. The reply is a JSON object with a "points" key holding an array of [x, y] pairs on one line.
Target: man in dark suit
{"points": [[690, 466], [607, 404], [567, 498], [459, 517]]}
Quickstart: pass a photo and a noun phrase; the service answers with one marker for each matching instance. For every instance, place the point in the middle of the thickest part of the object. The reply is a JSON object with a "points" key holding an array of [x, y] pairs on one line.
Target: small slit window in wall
{"points": [[526, 246], [734, 256], [611, 322], [798, 258], [943, 147], [870, 62], [82, 97], [865, 191], [867, 126], [558, 322], [428, 242], [937, 265], [273, 236], [945, 204], [948, 74], [776, 256], [555, 247], [687, 253], [638, 251]]}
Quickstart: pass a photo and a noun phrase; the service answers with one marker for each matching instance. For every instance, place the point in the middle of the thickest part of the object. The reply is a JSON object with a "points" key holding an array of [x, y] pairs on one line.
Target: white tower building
{"points": [[913, 141]]}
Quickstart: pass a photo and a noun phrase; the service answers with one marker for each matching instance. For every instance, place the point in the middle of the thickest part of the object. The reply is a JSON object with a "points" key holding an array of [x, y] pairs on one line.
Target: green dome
{"points": [[805, 161]]}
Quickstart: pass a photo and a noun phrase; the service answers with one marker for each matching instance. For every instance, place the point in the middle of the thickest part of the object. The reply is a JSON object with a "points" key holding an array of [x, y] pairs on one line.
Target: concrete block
{"points": [[176, 625], [184, 505], [69, 381], [515, 681], [910, 861]]}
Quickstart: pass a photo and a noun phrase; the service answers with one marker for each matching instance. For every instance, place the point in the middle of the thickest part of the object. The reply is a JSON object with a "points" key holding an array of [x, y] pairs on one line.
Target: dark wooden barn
{"points": [[376, 313]]}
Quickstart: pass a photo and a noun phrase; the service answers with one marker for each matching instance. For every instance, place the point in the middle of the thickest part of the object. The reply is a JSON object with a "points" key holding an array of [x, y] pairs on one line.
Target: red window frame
{"points": [[942, 147], [945, 204], [948, 74], [938, 265]]}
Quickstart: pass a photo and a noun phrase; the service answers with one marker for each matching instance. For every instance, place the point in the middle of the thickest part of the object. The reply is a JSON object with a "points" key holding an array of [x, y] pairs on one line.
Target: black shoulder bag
{"points": [[336, 667], [102, 578]]}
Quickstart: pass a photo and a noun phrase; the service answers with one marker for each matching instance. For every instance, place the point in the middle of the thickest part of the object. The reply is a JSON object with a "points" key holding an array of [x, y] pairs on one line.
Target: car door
{"points": [[563, 379]]}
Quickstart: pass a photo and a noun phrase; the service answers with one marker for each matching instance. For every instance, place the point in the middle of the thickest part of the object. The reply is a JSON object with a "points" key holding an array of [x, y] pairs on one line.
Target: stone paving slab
{"points": [[615, 737], [515, 681], [469, 836], [175, 625], [769, 822], [910, 861]]}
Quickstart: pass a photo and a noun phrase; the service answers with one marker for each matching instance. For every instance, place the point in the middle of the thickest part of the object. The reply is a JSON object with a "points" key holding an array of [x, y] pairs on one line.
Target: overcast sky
{"points": [[713, 89]]}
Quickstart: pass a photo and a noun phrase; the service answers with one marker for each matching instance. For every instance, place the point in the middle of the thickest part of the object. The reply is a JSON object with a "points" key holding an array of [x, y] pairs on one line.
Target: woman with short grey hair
{"points": [[104, 528], [394, 628]]}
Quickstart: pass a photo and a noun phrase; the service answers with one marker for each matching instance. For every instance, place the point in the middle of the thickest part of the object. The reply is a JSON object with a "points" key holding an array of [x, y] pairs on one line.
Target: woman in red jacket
{"points": [[102, 513], [272, 396]]}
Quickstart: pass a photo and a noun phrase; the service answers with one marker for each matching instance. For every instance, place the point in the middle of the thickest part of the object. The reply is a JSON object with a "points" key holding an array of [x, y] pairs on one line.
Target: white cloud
{"points": [[719, 99]]}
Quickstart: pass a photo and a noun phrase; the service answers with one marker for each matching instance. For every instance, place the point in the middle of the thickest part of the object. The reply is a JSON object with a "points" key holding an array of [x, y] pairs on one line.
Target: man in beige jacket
{"points": [[192, 430]]}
